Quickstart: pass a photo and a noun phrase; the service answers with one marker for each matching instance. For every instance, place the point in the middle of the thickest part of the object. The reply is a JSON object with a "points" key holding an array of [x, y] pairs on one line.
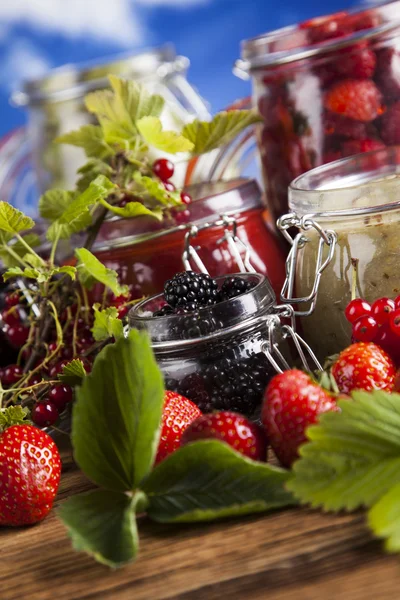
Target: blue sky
{"points": [[36, 35]]}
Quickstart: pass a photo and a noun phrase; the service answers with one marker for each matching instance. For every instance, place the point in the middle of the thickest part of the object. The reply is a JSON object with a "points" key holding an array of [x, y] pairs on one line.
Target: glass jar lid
{"points": [[209, 201], [362, 184], [293, 43], [171, 332], [74, 81]]}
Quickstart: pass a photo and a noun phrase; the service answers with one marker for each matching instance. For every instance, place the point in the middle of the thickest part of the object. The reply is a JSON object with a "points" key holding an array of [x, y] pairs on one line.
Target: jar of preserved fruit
{"points": [[221, 356], [146, 252], [327, 88], [348, 214]]}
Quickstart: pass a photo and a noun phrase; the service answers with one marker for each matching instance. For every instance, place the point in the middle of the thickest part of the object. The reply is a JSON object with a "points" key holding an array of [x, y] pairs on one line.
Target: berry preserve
{"points": [[327, 88], [215, 355], [146, 252]]}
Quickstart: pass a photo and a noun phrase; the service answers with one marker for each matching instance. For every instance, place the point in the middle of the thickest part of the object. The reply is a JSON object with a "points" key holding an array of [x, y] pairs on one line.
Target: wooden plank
{"points": [[292, 555]]}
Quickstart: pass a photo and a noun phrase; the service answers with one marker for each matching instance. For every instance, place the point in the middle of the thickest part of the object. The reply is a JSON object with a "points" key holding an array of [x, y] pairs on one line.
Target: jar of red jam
{"points": [[327, 88], [146, 252]]}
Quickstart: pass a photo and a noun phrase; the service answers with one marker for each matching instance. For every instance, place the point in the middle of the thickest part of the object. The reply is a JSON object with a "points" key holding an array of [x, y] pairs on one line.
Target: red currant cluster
{"points": [[378, 322], [164, 170], [46, 396]]}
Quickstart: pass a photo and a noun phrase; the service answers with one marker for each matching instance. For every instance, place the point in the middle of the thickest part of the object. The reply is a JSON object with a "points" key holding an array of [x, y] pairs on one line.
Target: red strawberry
{"points": [[390, 125], [351, 147], [337, 125], [358, 61], [178, 413], [30, 469], [327, 27], [292, 402], [357, 99], [364, 366], [234, 429]]}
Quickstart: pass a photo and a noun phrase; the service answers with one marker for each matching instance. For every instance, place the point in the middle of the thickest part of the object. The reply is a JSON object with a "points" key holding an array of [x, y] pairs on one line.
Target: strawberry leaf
{"points": [[13, 415], [224, 127], [106, 323], [102, 523], [353, 457], [90, 270], [208, 480], [115, 421], [384, 519], [73, 373], [151, 130]]}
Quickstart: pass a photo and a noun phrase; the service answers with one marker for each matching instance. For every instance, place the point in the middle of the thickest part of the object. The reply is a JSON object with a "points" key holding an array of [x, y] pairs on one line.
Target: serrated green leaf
{"points": [[384, 519], [90, 269], [135, 209], [156, 190], [77, 216], [18, 272], [8, 250], [90, 170], [106, 323], [137, 101], [53, 203], [353, 457], [13, 220], [67, 270], [208, 480], [224, 127], [13, 415], [73, 373], [33, 260], [152, 132], [102, 523], [115, 421], [90, 138]]}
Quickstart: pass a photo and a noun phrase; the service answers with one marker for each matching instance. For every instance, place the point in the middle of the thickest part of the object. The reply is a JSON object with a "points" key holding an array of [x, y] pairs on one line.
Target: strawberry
{"points": [[234, 429], [337, 125], [357, 62], [364, 366], [351, 147], [30, 469], [327, 27], [292, 402], [357, 99], [178, 413], [390, 125]]}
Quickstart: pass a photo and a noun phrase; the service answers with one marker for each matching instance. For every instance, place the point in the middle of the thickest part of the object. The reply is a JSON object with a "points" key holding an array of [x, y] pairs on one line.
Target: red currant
{"points": [[57, 368], [394, 321], [10, 317], [123, 311], [87, 365], [34, 379], [356, 308], [381, 310], [163, 168], [186, 198], [397, 302], [53, 347], [181, 216], [44, 414], [12, 374], [12, 299], [365, 329], [389, 341], [17, 335], [60, 396], [169, 186]]}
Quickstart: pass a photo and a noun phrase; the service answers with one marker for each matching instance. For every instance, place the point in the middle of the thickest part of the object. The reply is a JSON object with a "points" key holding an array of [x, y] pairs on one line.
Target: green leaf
{"points": [[28, 273], [134, 209], [77, 216], [224, 127], [151, 130], [156, 190], [13, 415], [103, 524], [33, 260], [73, 373], [115, 421], [384, 519], [8, 250], [353, 457], [137, 101], [106, 323], [53, 203], [90, 138], [91, 269], [208, 480], [67, 270], [90, 170], [13, 220]]}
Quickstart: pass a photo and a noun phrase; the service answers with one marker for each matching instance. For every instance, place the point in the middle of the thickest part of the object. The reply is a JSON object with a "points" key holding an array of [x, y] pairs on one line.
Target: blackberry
{"points": [[164, 310], [193, 387], [235, 286], [189, 289]]}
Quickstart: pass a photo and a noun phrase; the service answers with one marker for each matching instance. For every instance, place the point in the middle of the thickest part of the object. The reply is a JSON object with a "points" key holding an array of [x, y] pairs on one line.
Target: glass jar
{"points": [[357, 202], [147, 252], [216, 356], [327, 88]]}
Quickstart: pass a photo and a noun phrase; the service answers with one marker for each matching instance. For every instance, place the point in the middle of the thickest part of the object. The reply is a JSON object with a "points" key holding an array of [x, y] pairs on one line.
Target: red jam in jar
{"points": [[327, 88], [147, 252]]}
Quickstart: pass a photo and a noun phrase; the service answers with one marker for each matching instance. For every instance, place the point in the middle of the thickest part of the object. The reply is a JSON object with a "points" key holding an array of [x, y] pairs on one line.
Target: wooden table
{"points": [[291, 555]]}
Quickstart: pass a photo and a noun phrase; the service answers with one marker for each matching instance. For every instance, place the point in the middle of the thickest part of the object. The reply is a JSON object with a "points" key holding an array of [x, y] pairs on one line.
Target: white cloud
{"points": [[23, 61]]}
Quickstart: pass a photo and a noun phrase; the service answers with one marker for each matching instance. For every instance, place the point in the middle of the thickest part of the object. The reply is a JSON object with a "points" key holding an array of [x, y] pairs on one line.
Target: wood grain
{"points": [[293, 555]]}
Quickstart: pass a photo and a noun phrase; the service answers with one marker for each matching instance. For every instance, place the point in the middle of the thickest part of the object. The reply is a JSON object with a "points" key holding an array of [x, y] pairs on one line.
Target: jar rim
{"points": [[224, 318], [263, 50], [363, 184]]}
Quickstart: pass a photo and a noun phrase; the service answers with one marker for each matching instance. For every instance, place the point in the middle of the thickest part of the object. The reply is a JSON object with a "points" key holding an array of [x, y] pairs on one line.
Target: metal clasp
{"points": [[326, 249], [229, 236]]}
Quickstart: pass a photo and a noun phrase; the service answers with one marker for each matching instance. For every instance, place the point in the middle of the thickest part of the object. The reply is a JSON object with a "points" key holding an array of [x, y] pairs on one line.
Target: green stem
{"points": [[29, 249], [15, 256], [54, 248]]}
